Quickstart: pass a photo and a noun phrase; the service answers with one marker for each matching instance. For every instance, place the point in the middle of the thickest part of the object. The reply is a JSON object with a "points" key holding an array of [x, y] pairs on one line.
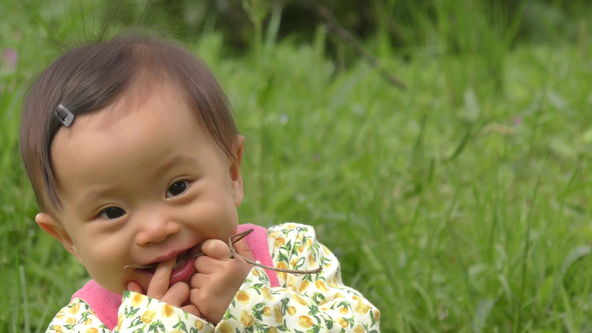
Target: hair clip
{"points": [[65, 116]]}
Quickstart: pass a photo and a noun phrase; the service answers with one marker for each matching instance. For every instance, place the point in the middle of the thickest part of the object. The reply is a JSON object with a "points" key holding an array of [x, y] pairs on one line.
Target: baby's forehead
{"points": [[135, 102], [141, 91]]}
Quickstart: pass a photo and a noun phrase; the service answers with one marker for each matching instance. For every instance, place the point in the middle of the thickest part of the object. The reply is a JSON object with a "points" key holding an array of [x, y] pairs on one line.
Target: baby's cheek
{"points": [[109, 273]]}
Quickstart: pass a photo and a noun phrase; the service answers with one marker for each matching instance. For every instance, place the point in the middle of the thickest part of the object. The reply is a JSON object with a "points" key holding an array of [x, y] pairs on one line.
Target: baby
{"points": [[135, 160]]}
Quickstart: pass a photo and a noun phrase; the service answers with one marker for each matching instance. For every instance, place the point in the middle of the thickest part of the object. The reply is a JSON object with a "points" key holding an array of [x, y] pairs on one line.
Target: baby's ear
{"points": [[235, 174], [53, 227]]}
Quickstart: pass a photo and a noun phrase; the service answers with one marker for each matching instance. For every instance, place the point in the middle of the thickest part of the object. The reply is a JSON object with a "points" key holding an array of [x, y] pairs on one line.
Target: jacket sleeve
{"points": [[137, 313], [307, 303]]}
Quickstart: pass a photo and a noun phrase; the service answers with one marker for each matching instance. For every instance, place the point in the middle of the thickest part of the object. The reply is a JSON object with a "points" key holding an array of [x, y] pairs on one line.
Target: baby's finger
{"points": [[159, 283], [194, 297], [193, 310], [199, 280], [216, 249], [177, 294], [135, 287], [206, 265]]}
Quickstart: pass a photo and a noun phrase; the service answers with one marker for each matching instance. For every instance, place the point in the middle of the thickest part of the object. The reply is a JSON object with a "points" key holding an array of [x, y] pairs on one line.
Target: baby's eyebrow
{"points": [[175, 160], [93, 194]]}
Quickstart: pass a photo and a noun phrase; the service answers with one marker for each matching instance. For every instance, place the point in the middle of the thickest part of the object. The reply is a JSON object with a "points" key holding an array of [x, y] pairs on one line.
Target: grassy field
{"points": [[459, 204]]}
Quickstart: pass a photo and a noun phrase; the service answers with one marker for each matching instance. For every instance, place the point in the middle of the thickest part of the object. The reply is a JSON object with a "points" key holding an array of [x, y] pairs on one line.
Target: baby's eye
{"points": [[177, 188], [111, 213]]}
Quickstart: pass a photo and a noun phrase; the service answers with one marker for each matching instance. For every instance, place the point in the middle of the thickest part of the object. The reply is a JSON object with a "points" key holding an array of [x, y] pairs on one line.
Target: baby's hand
{"points": [[218, 278], [176, 295]]}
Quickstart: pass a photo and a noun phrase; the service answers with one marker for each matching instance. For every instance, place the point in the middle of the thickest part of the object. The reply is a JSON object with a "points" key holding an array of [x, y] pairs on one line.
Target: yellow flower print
{"points": [[267, 311], [199, 324], [312, 260], [362, 308], [291, 310], [304, 285], [300, 300], [137, 299], [305, 321], [277, 314], [119, 323], [282, 276], [225, 328], [71, 321], [148, 316], [341, 321], [376, 315], [242, 296], [279, 242], [343, 309], [57, 328], [246, 319], [92, 330], [266, 293], [273, 330], [167, 310], [358, 329], [321, 285], [74, 309], [291, 281], [88, 321]]}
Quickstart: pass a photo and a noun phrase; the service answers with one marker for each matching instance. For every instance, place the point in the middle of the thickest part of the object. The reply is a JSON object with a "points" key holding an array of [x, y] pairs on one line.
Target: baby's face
{"points": [[141, 186]]}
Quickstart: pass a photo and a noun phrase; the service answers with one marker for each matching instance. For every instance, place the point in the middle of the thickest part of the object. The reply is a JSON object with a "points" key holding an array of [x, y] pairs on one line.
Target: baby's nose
{"points": [[155, 230]]}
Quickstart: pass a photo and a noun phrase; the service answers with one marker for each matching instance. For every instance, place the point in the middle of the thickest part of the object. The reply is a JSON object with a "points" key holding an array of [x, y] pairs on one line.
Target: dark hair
{"points": [[91, 77]]}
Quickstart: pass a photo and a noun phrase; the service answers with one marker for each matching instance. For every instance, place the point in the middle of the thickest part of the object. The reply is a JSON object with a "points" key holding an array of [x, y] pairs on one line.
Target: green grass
{"points": [[457, 205]]}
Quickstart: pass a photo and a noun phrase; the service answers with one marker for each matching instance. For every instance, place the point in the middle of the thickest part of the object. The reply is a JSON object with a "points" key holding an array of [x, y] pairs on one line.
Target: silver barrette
{"points": [[65, 116]]}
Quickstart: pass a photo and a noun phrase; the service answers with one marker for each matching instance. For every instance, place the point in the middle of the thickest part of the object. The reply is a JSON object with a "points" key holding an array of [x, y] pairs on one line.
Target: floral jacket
{"points": [[303, 303]]}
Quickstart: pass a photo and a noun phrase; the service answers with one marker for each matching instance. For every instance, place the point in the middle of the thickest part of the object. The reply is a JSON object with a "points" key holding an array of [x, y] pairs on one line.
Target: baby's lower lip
{"points": [[183, 272]]}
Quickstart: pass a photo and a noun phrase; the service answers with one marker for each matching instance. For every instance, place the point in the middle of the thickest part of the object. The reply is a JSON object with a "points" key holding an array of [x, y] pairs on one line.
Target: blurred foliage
{"points": [[478, 33], [458, 205], [402, 22]]}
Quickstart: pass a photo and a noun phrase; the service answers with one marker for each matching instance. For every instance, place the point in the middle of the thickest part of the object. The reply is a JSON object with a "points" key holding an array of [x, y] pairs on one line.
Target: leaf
{"points": [[472, 108], [482, 313], [574, 255], [545, 291], [556, 100]]}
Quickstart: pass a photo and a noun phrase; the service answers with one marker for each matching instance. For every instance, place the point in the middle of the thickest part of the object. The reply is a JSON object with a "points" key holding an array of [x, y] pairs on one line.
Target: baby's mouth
{"points": [[180, 261]]}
